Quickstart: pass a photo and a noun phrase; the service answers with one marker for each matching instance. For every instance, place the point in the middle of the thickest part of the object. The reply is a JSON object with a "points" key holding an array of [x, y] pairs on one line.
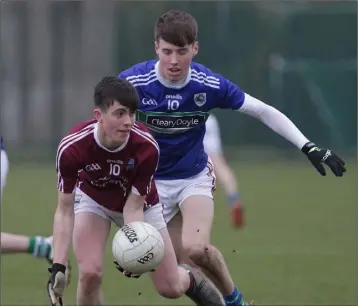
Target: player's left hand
{"points": [[237, 215], [319, 156]]}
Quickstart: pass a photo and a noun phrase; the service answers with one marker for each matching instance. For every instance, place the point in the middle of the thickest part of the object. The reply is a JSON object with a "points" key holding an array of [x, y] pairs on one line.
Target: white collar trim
{"points": [[177, 85], [95, 135]]}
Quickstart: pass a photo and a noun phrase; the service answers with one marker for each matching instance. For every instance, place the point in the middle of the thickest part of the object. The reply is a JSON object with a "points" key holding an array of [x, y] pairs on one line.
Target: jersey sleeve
{"points": [[67, 170], [212, 141], [126, 73], [146, 169], [122, 75], [229, 96]]}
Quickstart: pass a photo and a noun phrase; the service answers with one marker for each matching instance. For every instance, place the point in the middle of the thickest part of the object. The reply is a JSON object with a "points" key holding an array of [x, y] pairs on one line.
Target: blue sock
{"points": [[234, 299], [232, 198]]}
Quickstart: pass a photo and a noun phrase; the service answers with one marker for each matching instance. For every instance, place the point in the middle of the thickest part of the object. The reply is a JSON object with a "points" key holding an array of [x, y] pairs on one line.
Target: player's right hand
{"points": [[126, 273], [56, 284]]}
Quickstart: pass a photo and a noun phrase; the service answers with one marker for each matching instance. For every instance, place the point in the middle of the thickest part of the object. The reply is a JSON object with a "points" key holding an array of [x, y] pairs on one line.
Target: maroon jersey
{"points": [[108, 176]]}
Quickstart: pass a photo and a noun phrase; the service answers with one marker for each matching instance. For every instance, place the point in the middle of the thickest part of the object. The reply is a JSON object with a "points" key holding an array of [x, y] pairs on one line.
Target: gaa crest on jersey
{"points": [[200, 99], [130, 164]]}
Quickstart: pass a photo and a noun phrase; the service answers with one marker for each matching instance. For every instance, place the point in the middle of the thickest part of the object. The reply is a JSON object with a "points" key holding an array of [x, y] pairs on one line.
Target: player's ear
{"points": [[195, 48], [156, 47], [97, 115]]}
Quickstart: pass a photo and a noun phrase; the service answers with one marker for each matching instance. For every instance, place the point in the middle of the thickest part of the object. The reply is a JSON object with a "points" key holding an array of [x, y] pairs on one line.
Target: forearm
{"points": [[274, 119], [131, 214], [62, 233], [224, 174], [227, 180]]}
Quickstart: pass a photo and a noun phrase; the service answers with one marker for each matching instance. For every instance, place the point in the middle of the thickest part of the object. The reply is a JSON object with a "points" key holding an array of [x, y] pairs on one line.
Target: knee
{"points": [[169, 289], [169, 285], [199, 253], [90, 276]]}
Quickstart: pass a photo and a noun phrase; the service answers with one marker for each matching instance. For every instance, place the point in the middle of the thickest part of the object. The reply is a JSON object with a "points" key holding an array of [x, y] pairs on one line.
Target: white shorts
{"points": [[212, 140], [4, 169], [172, 193], [83, 203]]}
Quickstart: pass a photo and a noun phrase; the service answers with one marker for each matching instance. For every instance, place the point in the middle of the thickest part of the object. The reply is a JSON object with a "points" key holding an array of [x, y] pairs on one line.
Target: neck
{"points": [[106, 141], [170, 83]]}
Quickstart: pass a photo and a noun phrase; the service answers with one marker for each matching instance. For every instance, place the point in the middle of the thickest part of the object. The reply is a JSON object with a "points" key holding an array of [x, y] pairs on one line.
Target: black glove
{"points": [[126, 273], [318, 156], [56, 284]]}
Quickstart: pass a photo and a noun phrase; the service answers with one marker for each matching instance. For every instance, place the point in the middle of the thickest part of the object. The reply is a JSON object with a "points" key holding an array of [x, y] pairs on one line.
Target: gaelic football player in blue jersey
{"points": [[176, 95]]}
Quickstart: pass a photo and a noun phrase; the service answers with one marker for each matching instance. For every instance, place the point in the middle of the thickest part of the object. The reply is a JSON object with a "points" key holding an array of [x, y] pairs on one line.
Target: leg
{"points": [[11, 243], [37, 246], [89, 240], [175, 232], [197, 212], [172, 281], [169, 280], [167, 193], [195, 240]]}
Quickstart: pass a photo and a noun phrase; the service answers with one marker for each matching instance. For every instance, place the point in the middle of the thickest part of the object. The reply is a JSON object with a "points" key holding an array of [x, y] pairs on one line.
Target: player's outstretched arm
{"points": [[283, 126], [133, 209], [228, 181], [62, 233], [63, 226], [224, 174]]}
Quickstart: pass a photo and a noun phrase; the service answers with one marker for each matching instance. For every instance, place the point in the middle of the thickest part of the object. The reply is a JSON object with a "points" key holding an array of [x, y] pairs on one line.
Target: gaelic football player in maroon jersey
{"points": [[105, 171]]}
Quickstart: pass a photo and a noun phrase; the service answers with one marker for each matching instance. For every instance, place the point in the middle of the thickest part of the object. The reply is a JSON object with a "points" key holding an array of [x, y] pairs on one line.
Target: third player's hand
{"points": [[56, 284], [319, 156]]}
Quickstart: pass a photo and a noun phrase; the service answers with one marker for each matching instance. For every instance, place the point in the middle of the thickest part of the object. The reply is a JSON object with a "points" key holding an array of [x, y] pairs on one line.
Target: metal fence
{"points": [[299, 56]]}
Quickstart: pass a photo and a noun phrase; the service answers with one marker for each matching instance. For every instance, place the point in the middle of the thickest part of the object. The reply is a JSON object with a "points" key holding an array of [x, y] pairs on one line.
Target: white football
{"points": [[138, 247]]}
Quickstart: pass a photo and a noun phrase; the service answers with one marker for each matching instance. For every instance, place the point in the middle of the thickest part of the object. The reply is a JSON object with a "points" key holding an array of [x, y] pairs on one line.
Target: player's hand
{"points": [[56, 284], [126, 273], [319, 156], [238, 215]]}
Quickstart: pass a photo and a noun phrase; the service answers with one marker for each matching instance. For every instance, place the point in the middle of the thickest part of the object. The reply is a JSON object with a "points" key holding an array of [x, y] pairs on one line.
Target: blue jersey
{"points": [[176, 115]]}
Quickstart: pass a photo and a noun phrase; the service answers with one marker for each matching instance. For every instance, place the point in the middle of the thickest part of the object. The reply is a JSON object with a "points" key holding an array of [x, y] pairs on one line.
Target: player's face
{"points": [[115, 122], [174, 61]]}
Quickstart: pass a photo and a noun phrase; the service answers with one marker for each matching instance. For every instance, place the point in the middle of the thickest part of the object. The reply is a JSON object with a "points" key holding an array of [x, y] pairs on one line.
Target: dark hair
{"points": [[176, 27], [111, 89]]}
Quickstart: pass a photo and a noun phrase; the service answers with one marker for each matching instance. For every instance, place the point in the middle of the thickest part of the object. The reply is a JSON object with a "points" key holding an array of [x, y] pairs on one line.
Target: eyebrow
{"points": [[179, 49], [120, 109]]}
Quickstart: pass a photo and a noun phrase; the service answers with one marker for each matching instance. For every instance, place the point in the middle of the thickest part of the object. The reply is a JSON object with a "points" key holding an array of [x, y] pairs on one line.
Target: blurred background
{"points": [[299, 56], [299, 246]]}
